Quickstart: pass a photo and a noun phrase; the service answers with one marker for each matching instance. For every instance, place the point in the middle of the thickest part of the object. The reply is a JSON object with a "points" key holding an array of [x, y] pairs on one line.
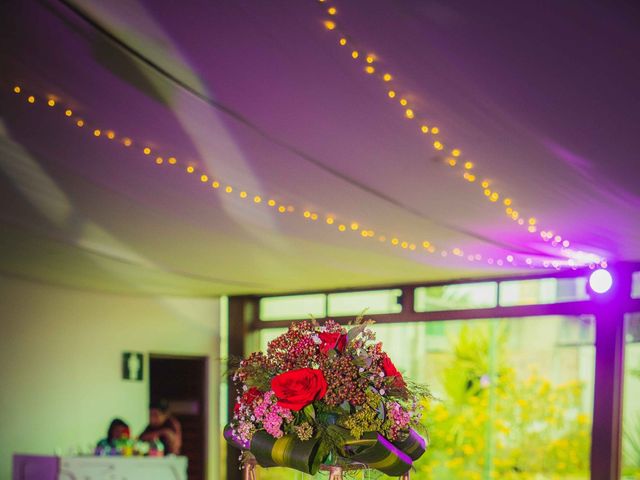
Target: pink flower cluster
{"points": [[271, 415], [399, 417]]}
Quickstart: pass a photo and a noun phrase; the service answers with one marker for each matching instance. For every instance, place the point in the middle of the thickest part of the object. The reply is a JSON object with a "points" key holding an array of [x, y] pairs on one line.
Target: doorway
{"points": [[182, 382]]}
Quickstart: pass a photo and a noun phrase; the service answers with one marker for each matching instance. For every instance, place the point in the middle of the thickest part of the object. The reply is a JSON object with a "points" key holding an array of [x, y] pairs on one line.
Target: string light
{"points": [[51, 102], [409, 113], [31, 99], [330, 219]]}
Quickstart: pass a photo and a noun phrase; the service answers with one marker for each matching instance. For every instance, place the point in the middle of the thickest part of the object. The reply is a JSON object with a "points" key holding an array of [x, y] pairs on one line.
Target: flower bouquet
{"points": [[326, 394]]}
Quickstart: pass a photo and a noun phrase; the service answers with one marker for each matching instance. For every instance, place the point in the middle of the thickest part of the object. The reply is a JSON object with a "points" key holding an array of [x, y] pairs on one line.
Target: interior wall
{"points": [[60, 363]]}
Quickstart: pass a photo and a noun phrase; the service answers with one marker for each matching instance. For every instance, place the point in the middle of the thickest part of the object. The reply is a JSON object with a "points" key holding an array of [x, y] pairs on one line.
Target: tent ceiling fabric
{"points": [[542, 97]]}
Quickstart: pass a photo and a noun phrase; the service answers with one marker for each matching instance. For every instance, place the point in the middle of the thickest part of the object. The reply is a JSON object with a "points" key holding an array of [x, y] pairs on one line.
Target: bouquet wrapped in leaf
{"points": [[326, 394]]}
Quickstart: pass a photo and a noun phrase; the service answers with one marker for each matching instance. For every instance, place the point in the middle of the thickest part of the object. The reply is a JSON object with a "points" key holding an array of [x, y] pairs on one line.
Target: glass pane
{"points": [[545, 290], [293, 307], [631, 407], [455, 297], [374, 301], [515, 396], [635, 285]]}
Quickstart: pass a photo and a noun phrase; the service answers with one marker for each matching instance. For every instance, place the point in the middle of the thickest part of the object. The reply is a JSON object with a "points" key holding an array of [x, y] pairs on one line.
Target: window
{"points": [[543, 291], [631, 408], [374, 301], [456, 297], [635, 285], [293, 307], [514, 395]]}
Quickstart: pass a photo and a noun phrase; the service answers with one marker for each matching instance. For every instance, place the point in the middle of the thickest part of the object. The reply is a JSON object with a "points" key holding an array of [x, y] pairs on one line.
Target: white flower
{"points": [[382, 391], [316, 339], [361, 369], [381, 374]]}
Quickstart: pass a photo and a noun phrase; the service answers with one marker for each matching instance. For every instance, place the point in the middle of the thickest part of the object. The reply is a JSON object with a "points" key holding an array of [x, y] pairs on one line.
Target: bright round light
{"points": [[600, 281]]}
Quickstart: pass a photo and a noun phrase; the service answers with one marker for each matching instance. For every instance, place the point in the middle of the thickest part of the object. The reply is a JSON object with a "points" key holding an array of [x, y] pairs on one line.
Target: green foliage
{"points": [[494, 424]]}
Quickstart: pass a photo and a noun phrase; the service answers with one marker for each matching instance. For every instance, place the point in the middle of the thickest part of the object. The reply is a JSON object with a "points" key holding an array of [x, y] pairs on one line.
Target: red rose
{"points": [[296, 389], [390, 370], [331, 341], [251, 396], [236, 408]]}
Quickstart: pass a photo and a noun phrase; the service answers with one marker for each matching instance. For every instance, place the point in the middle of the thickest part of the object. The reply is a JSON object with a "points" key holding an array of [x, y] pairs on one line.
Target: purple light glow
{"points": [[600, 281]]}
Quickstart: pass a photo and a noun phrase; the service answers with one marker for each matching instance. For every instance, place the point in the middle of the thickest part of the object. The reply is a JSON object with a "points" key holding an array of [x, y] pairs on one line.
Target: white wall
{"points": [[60, 371]]}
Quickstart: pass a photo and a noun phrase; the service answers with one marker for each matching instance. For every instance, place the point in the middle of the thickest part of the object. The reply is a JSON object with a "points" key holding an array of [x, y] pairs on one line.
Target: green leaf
{"points": [[309, 411]]}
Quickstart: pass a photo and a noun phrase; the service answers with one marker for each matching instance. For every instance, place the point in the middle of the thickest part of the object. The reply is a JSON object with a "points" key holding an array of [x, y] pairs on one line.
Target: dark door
{"points": [[182, 382]]}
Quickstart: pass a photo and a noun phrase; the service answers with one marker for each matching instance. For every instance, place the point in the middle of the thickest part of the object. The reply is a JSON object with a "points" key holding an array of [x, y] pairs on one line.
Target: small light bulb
{"points": [[111, 135], [257, 199], [403, 102], [355, 54], [426, 244], [495, 196], [96, 132], [127, 142], [532, 221], [369, 59], [172, 160], [228, 189], [51, 102], [409, 113], [404, 244], [487, 192], [329, 25], [387, 77], [31, 99], [452, 162], [330, 220], [391, 94], [355, 226], [507, 201], [424, 129], [343, 41], [369, 69], [215, 184], [243, 194], [332, 10], [271, 203], [80, 123], [342, 228], [395, 241], [455, 152], [204, 178], [68, 112], [435, 130], [190, 169], [282, 209], [306, 214], [314, 216], [468, 165], [146, 150], [485, 184], [159, 160], [17, 89], [437, 145], [509, 210]]}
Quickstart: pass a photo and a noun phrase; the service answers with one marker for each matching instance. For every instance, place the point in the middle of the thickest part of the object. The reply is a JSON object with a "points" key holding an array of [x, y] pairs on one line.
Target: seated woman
{"points": [[118, 430], [163, 427]]}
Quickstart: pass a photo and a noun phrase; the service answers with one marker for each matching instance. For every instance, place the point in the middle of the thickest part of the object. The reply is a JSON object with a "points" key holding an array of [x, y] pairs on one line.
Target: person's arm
{"points": [[173, 436]]}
